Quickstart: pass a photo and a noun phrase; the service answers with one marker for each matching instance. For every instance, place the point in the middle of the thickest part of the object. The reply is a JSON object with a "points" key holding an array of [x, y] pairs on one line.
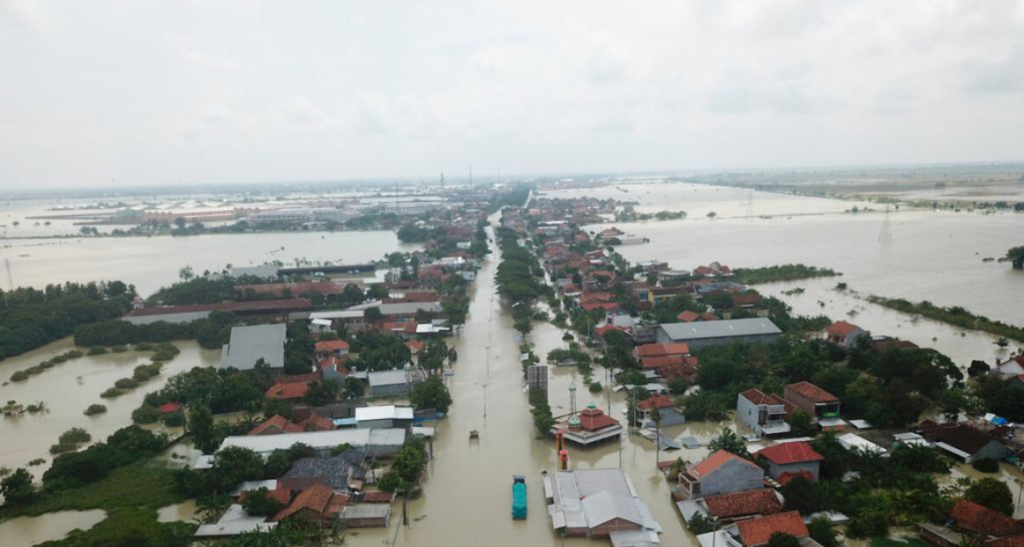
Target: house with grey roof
{"points": [[342, 473], [395, 382], [596, 503], [756, 330], [249, 344]]}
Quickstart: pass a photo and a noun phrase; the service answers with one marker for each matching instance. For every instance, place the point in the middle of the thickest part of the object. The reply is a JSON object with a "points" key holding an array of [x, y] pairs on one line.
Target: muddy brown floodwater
{"points": [[467, 491], [26, 531], [68, 389]]}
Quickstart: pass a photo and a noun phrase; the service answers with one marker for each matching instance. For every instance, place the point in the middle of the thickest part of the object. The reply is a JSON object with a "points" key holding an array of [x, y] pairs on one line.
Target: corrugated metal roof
{"points": [[719, 329], [252, 343], [384, 412]]}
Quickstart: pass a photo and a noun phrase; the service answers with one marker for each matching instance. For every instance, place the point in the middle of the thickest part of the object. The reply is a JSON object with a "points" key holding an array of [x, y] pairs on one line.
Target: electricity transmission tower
{"points": [[749, 203], [885, 236]]}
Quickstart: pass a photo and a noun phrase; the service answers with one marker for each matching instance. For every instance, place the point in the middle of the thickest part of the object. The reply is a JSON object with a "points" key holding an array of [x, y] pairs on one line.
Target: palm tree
{"points": [[655, 415]]}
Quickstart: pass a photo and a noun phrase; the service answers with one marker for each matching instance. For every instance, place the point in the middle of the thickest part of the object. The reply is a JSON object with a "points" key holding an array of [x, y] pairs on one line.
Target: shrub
{"points": [[19, 376], [98, 350], [258, 503], [596, 387], [174, 419], [986, 465], [145, 414], [119, 349], [111, 393], [75, 435], [95, 409], [126, 383]]}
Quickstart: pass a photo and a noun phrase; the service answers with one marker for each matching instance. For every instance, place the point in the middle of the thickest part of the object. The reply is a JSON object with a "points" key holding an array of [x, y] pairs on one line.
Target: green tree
{"points": [[781, 539], [992, 493], [431, 394], [822, 532], [17, 488], [801, 425], [321, 393], [802, 495], [729, 441], [200, 424], [258, 503]]}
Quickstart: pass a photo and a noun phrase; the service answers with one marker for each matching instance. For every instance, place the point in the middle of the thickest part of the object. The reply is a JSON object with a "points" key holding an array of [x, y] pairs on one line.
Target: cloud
{"points": [[30, 15]]}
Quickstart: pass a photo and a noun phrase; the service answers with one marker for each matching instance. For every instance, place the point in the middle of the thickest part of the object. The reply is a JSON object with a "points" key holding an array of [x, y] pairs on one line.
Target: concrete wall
{"points": [[732, 476], [747, 412]]}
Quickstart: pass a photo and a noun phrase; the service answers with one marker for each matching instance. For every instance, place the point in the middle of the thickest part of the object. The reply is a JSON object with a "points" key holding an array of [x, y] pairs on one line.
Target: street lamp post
{"points": [[484, 386]]}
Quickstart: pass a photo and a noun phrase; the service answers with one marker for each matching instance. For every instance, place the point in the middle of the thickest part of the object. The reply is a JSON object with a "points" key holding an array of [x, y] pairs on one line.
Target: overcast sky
{"points": [[147, 92]]}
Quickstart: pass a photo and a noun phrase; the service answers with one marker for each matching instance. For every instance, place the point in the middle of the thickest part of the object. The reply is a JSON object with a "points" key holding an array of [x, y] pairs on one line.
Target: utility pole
{"points": [[885, 236]]}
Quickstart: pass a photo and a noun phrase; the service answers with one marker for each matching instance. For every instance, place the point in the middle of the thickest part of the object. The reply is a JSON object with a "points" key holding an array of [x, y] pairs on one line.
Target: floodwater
{"points": [[69, 388], [467, 491], [153, 262], [48, 527], [935, 256]]}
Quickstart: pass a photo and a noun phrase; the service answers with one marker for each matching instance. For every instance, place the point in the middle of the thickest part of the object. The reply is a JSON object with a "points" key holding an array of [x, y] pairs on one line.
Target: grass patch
{"points": [[147, 484], [133, 527], [892, 542], [954, 315], [785, 272]]}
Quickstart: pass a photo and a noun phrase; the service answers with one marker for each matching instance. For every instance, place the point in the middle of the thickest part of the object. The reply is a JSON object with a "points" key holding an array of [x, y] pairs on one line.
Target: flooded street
{"points": [[153, 262], [68, 389], [467, 493]]}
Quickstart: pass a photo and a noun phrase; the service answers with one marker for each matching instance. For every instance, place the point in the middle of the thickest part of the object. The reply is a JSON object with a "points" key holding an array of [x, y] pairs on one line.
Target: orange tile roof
{"points": [[759, 397], [662, 361], [738, 504], [316, 422], [1010, 541], [315, 498], [655, 401], [789, 453], [289, 390], [331, 345], [378, 497], [812, 392], [759, 531], [593, 419], [976, 518], [276, 422], [842, 328], [788, 477], [661, 350], [716, 460], [688, 316]]}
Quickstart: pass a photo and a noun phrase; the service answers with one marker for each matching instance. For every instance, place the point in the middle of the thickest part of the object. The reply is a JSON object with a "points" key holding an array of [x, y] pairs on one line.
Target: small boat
{"points": [[518, 497], [474, 434]]}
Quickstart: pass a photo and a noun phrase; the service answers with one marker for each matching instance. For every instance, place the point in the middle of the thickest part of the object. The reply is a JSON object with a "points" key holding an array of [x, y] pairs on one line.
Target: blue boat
{"points": [[518, 497]]}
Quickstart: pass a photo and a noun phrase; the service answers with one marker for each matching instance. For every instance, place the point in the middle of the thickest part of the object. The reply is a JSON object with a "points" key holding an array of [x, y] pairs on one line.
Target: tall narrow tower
{"points": [[885, 235], [749, 214]]}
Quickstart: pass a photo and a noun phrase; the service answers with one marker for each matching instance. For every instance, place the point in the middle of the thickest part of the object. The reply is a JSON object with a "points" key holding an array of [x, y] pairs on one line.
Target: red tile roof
{"points": [[1010, 541], [415, 345], [655, 401], [662, 361], [593, 419], [716, 460], [661, 350], [738, 504], [788, 477], [688, 316], [606, 306], [331, 345], [812, 392], [842, 328], [169, 408], [609, 327], [287, 390], [976, 518], [789, 453], [255, 306], [316, 422], [317, 498], [746, 299], [276, 425], [759, 531], [758, 397]]}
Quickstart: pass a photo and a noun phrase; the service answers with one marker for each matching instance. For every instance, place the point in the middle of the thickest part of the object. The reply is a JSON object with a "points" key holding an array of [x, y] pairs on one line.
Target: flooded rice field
{"points": [[68, 389]]}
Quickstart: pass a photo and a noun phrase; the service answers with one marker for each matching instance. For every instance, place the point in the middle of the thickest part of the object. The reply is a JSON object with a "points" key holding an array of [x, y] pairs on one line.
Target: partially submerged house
{"points": [[844, 334], [820, 405], [345, 472], [756, 532], [669, 412], [596, 503], [788, 460], [963, 442], [764, 414], [732, 506], [384, 416], [318, 503], [395, 382], [720, 473]]}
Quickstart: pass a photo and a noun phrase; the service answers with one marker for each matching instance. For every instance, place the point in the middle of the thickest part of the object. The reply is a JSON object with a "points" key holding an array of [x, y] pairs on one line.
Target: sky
{"points": [[147, 92]]}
